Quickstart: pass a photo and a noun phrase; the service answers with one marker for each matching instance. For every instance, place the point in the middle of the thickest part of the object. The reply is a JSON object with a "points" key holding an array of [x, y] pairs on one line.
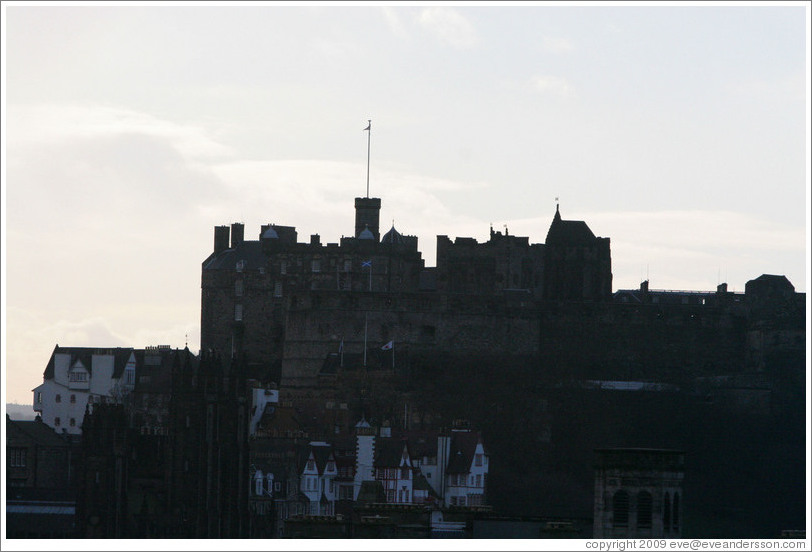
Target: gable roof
{"points": [[463, 448], [568, 232], [39, 432], [388, 452]]}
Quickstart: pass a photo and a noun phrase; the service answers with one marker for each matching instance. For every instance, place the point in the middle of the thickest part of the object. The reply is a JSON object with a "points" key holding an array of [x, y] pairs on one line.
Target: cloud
{"points": [[46, 124], [449, 26], [393, 21], [552, 85], [556, 45]]}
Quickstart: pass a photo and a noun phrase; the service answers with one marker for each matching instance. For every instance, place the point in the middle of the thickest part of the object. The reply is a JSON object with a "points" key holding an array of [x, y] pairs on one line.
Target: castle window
{"points": [[644, 507], [57, 421], [238, 288], [620, 509], [73, 422], [73, 399], [238, 313], [58, 398], [39, 397], [315, 265], [478, 460], [129, 377], [277, 289]]}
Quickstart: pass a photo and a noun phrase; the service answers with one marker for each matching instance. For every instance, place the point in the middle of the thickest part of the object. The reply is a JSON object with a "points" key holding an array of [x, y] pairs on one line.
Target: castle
{"points": [[288, 305]]}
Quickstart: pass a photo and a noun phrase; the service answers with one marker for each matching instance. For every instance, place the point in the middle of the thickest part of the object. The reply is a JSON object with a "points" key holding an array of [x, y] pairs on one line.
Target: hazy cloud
{"points": [[552, 85], [393, 21], [556, 45], [450, 26]]}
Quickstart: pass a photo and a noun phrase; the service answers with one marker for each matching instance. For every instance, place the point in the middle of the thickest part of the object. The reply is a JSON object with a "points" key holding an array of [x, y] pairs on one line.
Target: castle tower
{"points": [[367, 214]]}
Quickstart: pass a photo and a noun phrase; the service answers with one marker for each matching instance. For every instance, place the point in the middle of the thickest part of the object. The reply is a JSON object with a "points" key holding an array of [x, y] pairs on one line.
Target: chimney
{"points": [[721, 288], [315, 239], [220, 238], [237, 233], [644, 286]]}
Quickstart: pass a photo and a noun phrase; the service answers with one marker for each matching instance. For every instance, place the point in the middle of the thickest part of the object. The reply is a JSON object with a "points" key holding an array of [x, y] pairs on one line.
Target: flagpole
{"points": [[370, 275], [393, 354], [369, 142], [365, 340]]}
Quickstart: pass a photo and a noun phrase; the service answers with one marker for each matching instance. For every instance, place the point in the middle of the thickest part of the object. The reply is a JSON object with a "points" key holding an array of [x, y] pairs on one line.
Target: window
{"points": [[462, 501], [478, 460], [644, 507], [39, 397], [238, 288], [73, 399], [675, 513], [73, 422], [277, 289], [277, 486], [58, 398], [57, 421], [311, 465], [347, 266], [17, 457], [345, 492], [620, 508], [78, 376], [390, 495], [130, 377], [315, 265], [238, 313], [258, 485], [479, 480], [404, 473], [667, 513], [283, 267]]}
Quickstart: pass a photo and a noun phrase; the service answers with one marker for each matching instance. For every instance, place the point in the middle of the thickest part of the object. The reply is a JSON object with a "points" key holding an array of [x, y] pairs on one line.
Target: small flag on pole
{"points": [[388, 346], [369, 126], [365, 264]]}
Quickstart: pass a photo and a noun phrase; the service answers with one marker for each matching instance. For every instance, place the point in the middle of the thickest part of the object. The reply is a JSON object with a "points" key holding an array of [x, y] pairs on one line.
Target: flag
{"points": [[388, 346], [369, 126], [366, 264]]}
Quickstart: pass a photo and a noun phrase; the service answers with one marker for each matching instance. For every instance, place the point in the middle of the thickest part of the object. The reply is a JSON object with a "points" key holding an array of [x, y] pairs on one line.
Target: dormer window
{"points": [[78, 377], [311, 465]]}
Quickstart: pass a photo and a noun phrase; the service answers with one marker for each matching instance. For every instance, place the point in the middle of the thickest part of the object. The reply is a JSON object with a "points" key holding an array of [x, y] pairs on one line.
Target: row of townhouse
{"points": [[439, 469]]}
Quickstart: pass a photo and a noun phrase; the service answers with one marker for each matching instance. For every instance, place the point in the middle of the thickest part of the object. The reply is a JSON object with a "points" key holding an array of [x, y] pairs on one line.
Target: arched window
{"points": [[644, 507], [667, 513], [620, 509], [675, 513]]}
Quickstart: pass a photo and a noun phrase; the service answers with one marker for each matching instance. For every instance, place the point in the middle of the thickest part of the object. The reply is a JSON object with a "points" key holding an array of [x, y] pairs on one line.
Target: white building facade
{"points": [[78, 376]]}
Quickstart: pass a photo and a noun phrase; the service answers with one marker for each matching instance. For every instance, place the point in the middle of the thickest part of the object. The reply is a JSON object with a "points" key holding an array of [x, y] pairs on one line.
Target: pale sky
{"points": [[680, 132]]}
